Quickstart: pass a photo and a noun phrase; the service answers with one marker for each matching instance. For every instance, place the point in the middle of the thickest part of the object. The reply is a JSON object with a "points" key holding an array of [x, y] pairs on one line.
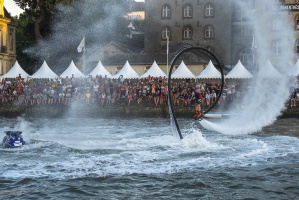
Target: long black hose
{"points": [[169, 83]]}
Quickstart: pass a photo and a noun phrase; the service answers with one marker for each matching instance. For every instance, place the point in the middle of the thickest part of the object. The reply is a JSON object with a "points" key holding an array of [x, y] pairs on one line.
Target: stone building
{"points": [[205, 23], [7, 40], [227, 28]]}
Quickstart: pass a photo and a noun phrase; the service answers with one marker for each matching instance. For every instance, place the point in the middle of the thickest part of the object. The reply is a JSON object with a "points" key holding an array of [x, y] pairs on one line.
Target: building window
{"points": [[187, 33], [11, 39], [209, 10], [245, 56], [276, 47], [276, 23], [209, 31], [297, 22], [166, 12], [245, 31], [165, 33], [244, 10], [187, 11], [297, 46]]}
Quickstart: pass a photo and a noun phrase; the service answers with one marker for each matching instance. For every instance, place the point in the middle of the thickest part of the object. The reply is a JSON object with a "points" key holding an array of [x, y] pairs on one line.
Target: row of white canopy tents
{"points": [[182, 71], [45, 72]]}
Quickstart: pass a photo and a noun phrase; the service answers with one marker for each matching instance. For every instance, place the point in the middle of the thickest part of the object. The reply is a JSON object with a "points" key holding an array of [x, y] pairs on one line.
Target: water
{"points": [[92, 158]]}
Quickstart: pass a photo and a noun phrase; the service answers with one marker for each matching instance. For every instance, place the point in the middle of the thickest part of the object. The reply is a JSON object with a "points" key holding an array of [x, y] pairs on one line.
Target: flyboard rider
{"points": [[198, 112]]}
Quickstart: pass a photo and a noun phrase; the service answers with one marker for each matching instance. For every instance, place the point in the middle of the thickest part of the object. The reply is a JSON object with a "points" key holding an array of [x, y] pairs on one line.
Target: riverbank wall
{"points": [[94, 110]]}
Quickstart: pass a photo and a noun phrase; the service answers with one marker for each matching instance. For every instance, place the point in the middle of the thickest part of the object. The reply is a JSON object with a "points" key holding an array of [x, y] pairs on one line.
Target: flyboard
{"points": [[198, 115]]}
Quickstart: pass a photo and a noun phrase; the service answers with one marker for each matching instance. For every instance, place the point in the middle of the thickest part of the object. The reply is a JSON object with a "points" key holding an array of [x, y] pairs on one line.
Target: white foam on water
{"points": [[67, 150]]}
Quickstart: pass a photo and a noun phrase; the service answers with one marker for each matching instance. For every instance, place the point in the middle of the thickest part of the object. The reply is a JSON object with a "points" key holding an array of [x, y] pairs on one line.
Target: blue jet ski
{"points": [[13, 139]]}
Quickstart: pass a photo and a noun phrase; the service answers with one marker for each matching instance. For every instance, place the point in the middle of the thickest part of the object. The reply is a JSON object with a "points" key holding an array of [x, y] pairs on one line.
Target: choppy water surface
{"points": [[91, 158]]}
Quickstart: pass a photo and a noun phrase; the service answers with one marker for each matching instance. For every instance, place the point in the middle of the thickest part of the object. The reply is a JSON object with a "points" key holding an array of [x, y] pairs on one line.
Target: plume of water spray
{"points": [[100, 21], [266, 99]]}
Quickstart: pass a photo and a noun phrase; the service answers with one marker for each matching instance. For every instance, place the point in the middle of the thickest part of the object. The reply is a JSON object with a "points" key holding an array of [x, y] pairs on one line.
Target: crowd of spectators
{"points": [[104, 91]]}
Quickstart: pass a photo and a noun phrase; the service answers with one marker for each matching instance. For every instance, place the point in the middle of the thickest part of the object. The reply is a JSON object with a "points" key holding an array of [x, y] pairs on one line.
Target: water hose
{"points": [[209, 53]]}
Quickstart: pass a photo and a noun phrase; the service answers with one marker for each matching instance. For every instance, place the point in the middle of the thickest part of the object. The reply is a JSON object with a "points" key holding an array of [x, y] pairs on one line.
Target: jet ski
{"points": [[13, 139]]}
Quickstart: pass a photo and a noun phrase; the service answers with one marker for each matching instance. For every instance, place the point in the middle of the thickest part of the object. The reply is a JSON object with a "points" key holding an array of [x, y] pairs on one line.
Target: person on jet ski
{"points": [[13, 139]]}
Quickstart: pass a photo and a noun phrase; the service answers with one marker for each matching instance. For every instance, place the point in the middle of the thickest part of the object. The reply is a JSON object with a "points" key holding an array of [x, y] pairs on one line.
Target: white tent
{"points": [[182, 72], [154, 71], [100, 70], [15, 71], [295, 70], [44, 72], [72, 70], [210, 72], [127, 72], [239, 72], [268, 71]]}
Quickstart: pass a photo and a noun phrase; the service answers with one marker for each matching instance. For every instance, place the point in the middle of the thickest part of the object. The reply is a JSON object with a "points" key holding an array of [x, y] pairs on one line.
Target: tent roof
{"points": [[72, 70], [44, 72], [268, 71], [295, 70], [127, 71], [210, 72], [15, 71], [100, 70], [182, 72], [154, 71], [239, 71]]}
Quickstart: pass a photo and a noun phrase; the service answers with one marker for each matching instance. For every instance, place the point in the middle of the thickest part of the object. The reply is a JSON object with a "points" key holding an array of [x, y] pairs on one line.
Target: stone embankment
{"points": [[92, 110]]}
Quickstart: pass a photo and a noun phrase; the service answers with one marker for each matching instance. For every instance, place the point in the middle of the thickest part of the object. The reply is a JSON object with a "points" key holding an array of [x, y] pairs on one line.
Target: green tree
{"points": [[24, 39], [58, 26], [41, 11]]}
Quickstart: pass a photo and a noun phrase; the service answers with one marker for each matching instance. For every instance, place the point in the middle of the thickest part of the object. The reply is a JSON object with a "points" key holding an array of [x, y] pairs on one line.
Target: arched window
{"points": [[297, 22], [187, 33], [245, 56], [209, 10], [209, 31], [165, 32], [276, 23], [276, 47], [297, 46], [187, 11], [166, 12]]}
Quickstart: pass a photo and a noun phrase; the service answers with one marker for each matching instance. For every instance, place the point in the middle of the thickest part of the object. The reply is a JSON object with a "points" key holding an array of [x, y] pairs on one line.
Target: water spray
{"points": [[209, 54]]}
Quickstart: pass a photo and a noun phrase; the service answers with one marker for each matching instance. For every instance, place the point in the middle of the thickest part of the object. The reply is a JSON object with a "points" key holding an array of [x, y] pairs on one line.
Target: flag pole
{"points": [[167, 49], [84, 57]]}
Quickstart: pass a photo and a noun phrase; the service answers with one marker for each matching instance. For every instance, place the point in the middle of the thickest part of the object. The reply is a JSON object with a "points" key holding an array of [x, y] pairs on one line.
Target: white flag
{"points": [[81, 45]]}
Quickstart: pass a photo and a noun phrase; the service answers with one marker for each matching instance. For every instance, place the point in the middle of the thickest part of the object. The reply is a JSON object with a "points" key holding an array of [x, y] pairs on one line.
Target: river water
{"points": [[122, 158]]}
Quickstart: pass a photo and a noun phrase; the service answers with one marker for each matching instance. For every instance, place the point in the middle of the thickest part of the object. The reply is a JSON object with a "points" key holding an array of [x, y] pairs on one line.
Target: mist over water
{"points": [[262, 103], [99, 21], [266, 98]]}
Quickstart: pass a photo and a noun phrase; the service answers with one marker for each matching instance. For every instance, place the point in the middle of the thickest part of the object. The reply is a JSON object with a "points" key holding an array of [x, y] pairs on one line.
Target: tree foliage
{"points": [[43, 9], [54, 28]]}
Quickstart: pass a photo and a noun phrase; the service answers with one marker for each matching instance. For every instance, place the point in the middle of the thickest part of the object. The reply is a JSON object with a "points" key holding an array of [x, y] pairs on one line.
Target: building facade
{"points": [[205, 23], [231, 29], [7, 40]]}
